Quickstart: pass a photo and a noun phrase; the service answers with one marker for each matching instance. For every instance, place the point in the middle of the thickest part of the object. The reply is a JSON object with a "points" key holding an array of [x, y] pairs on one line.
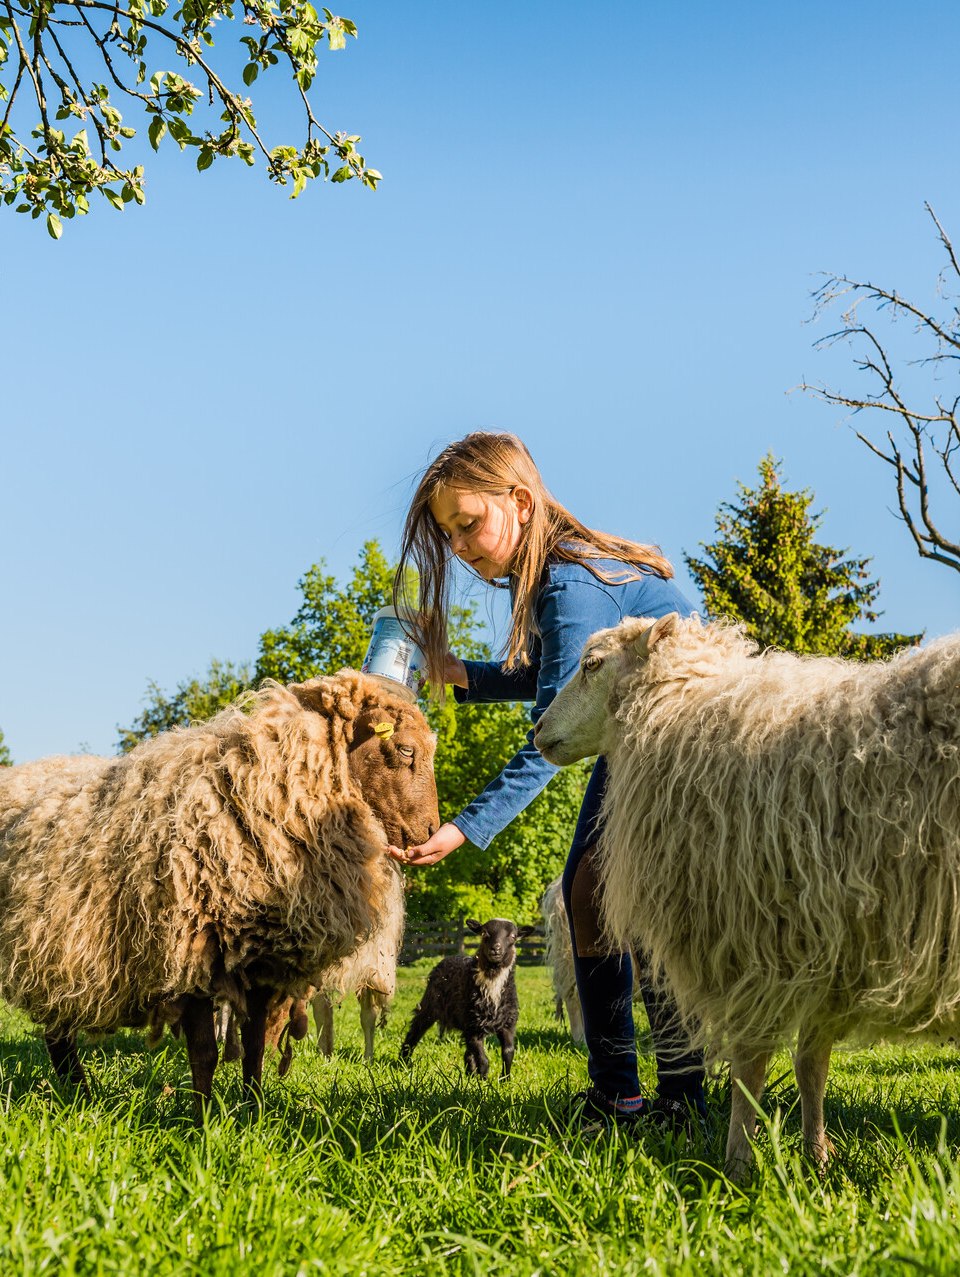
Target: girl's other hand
{"points": [[447, 838], [454, 671]]}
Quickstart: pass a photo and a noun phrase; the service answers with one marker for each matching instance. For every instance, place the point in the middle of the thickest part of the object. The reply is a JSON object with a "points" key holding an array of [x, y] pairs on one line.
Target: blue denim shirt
{"points": [[571, 605]]}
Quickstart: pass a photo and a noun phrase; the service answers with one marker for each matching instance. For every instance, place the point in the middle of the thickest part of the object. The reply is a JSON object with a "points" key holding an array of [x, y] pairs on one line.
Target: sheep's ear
{"points": [[473, 924], [528, 930], [374, 721], [310, 694], [662, 627]]}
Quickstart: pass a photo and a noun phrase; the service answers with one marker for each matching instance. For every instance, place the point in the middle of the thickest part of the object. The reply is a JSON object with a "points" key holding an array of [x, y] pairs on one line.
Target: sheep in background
{"points": [[370, 972], [559, 958], [214, 863], [782, 835], [475, 995]]}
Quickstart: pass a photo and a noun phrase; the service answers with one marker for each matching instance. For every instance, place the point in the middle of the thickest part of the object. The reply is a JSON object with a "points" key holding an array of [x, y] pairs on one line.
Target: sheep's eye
{"points": [[591, 663], [405, 750]]}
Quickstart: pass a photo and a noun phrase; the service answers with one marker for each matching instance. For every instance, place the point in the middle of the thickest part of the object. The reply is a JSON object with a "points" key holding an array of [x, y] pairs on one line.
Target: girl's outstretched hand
{"points": [[447, 838]]}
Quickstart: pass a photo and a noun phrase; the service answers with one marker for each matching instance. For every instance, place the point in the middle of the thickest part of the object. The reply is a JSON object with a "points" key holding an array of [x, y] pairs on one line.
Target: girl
{"points": [[483, 501]]}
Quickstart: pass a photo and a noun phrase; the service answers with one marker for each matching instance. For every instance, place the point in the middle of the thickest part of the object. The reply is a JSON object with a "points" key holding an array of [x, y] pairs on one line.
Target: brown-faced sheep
{"points": [[782, 835], [217, 862]]}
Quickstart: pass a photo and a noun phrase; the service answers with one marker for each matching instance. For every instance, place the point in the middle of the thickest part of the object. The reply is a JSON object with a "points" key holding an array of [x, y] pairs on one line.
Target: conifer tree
{"points": [[767, 569]]}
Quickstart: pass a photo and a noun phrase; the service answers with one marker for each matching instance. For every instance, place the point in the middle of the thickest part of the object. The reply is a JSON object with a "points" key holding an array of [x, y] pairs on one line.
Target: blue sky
{"points": [[599, 227]]}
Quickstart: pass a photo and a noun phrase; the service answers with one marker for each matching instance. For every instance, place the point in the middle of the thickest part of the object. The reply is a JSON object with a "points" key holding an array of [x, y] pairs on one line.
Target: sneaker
{"points": [[677, 1116], [595, 1112]]}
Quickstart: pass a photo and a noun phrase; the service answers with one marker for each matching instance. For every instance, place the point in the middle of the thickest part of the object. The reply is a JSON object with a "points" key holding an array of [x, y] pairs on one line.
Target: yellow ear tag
{"points": [[384, 730]]}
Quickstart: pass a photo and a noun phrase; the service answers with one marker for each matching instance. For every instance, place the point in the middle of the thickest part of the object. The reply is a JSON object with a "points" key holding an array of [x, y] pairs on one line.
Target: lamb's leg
{"points": [[811, 1063], [423, 1019], [253, 1033], [507, 1038], [368, 1021], [65, 1059], [475, 1057], [199, 1029], [751, 1072], [323, 1019]]}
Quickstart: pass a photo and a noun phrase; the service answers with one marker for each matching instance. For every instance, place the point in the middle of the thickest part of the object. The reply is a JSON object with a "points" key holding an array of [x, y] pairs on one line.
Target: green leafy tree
{"points": [[67, 66], [193, 701], [766, 569], [5, 758]]}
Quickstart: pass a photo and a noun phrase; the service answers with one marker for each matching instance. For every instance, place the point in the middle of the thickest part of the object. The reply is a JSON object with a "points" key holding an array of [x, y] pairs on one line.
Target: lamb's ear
{"points": [[662, 627], [473, 924], [527, 930]]}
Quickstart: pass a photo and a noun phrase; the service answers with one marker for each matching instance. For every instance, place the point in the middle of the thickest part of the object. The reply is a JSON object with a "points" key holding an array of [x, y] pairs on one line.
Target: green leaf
{"points": [[54, 226], [157, 131], [250, 72], [205, 158], [342, 174], [113, 198]]}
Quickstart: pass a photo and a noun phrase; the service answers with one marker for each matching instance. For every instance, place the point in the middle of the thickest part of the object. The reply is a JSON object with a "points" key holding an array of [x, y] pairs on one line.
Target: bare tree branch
{"points": [[927, 432]]}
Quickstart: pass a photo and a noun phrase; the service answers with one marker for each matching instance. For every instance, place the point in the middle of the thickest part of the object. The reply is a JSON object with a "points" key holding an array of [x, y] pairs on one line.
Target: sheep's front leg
{"points": [[253, 1036], [368, 1021], [323, 1019], [199, 1029], [747, 1075], [65, 1059], [811, 1064], [506, 1038], [475, 1057]]}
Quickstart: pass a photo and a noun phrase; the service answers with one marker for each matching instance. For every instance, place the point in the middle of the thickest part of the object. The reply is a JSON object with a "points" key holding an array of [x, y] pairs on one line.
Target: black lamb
{"points": [[474, 995]]}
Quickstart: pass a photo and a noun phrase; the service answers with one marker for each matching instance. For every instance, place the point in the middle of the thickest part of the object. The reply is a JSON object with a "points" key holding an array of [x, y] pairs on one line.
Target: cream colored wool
{"points": [[373, 966], [559, 958], [782, 834], [208, 850]]}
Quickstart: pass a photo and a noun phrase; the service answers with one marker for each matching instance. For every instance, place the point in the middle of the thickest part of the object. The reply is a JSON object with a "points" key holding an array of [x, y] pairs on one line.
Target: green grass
{"points": [[356, 1170]]}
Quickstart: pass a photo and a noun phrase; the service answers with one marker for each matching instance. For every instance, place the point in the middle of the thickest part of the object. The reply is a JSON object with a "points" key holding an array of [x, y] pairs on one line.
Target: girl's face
{"points": [[483, 528]]}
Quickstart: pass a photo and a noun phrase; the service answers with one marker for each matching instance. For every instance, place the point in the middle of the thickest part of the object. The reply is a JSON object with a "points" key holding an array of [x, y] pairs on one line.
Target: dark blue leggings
{"points": [[605, 982]]}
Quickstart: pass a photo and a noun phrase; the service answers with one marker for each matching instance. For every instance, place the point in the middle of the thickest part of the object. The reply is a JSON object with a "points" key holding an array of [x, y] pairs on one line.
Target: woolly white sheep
{"points": [[782, 836], [559, 958], [214, 863]]}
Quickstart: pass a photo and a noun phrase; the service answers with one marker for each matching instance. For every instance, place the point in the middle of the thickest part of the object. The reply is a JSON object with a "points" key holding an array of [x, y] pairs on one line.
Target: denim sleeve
{"points": [[488, 681], [568, 612]]}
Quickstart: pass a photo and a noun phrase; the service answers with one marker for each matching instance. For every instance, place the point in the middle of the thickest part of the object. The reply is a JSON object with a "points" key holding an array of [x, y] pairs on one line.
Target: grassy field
{"points": [[356, 1170]]}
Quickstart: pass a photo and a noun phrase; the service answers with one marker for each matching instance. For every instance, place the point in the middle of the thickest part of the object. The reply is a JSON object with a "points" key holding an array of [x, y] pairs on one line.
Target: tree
{"points": [[73, 61], [920, 443], [5, 759], [766, 570], [193, 701]]}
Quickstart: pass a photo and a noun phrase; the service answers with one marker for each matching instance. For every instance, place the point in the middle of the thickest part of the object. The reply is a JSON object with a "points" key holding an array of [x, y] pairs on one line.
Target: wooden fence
{"points": [[437, 939]]}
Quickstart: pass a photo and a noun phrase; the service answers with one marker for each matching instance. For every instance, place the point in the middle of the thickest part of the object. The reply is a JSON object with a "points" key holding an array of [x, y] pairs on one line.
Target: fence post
{"points": [[461, 935]]}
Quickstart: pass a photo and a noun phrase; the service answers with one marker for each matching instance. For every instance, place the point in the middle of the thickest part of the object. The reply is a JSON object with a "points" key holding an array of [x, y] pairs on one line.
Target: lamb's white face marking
{"points": [[492, 986]]}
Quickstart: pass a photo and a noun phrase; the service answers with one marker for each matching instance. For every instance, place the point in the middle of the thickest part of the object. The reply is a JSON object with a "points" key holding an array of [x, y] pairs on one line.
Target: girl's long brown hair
{"points": [[494, 464]]}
